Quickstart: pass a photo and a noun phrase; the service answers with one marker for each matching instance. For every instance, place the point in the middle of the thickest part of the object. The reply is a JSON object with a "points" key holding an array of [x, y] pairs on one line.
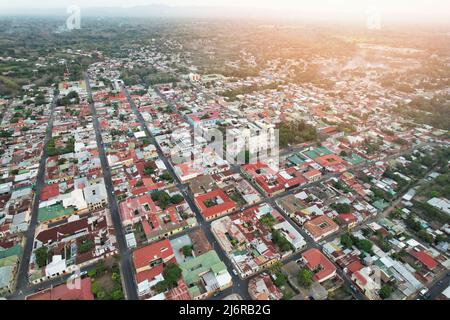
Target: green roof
{"points": [[194, 291], [192, 269], [380, 204], [23, 188], [6, 275], [13, 251], [355, 159], [9, 261], [318, 152], [382, 266], [53, 212], [295, 159]]}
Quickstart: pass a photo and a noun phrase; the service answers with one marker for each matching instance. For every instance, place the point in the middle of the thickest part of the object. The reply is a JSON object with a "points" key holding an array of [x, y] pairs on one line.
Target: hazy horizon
{"points": [[401, 10]]}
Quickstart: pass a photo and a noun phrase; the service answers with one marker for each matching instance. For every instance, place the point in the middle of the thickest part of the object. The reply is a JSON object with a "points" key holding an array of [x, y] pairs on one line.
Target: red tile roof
{"points": [[159, 250], [425, 259], [131, 206], [321, 226], [50, 191], [360, 278], [347, 218], [316, 259], [329, 160], [354, 266], [150, 274], [312, 173], [180, 292], [221, 208], [62, 292]]}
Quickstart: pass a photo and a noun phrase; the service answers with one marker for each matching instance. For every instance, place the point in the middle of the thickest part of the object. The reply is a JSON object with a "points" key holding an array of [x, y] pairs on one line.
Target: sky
{"points": [[410, 8]]}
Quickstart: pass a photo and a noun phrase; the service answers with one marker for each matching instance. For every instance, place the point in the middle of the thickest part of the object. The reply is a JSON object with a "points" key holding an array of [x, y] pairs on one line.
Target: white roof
{"points": [[160, 296], [223, 279], [75, 199], [6, 275], [446, 292], [5, 187], [95, 193], [412, 243], [160, 164], [58, 265], [302, 195], [140, 134], [131, 240]]}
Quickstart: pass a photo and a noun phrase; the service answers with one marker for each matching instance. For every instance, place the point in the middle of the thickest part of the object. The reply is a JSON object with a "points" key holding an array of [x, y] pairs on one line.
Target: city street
{"points": [[126, 264], [22, 273]]}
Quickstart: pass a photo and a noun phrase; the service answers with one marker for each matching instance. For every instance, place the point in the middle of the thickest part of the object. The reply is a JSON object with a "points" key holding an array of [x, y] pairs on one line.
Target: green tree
{"points": [[342, 207], [117, 294], [94, 288], [166, 176], [424, 235], [268, 220], [187, 251], [5, 133], [364, 245], [116, 277], [101, 295], [346, 240], [176, 199], [280, 280], [172, 274], [305, 278], [92, 273], [148, 171], [161, 286], [41, 256], [281, 241], [85, 246], [139, 183], [385, 291]]}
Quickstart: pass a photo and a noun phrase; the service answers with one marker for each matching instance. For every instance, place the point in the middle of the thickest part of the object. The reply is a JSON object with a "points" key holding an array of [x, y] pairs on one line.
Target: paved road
{"points": [[23, 293], [239, 285], [272, 201], [22, 273], [439, 286], [126, 265]]}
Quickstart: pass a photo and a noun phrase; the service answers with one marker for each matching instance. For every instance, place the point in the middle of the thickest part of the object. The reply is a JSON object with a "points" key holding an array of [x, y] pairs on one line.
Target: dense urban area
{"points": [[110, 189]]}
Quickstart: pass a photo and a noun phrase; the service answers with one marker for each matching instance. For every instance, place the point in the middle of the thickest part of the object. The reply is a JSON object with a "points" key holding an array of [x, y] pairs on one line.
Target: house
{"points": [[214, 204], [320, 227], [424, 259], [248, 238], [313, 175], [366, 280], [202, 184], [9, 259], [66, 292], [441, 204], [152, 255], [347, 219], [316, 262], [262, 287], [56, 267], [205, 275], [133, 210], [95, 196]]}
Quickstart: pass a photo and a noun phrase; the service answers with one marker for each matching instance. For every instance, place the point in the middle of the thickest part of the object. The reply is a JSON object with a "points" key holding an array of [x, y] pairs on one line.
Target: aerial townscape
{"points": [[138, 162]]}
